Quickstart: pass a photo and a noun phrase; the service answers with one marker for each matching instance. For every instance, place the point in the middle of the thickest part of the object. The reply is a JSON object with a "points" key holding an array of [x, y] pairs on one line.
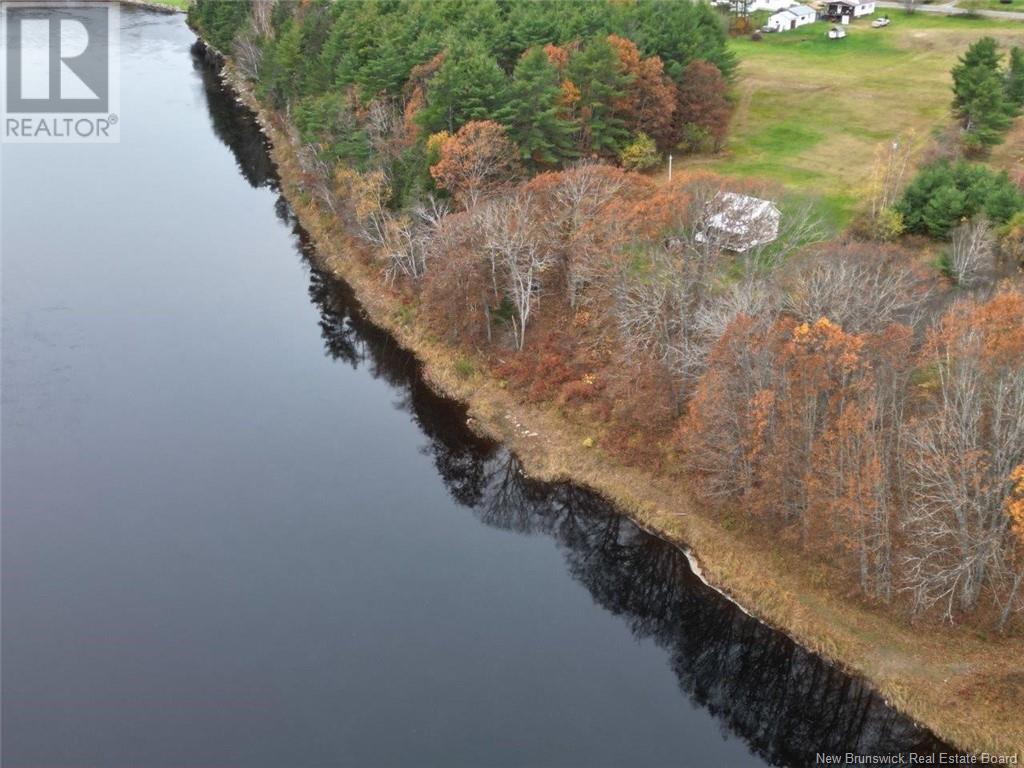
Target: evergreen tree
{"points": [[598, 74], [943, 193], [680, 32], [532, 111], [979, 94], [941, 213], [1015, 79], [220, 21], [282, 58], [533, 24], [985, 112], [469, 86]]}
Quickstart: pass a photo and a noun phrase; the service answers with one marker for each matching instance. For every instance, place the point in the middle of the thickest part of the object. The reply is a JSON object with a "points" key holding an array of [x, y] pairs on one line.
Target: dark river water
{"points": [[239, 531]]}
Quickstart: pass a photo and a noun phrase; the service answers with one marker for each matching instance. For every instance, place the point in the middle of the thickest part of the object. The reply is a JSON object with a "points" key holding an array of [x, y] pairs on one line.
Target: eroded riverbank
{"points": [[940, 677]]}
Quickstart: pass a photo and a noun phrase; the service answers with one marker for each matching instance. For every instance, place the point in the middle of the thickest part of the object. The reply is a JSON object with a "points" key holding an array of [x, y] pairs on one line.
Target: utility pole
{"points": [[670, 167]]}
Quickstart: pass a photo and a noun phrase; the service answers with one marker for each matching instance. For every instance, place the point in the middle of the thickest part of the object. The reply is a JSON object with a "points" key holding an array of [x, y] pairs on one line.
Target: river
{"points": [[238, 530]]}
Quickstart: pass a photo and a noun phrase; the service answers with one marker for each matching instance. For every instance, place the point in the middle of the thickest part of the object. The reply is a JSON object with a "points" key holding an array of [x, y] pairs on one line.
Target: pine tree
{"points": [[282, 59], [946, 207], [979, 94], [469, 86], [599, 76], [986, 113], [1015, 79], [532, 111]]}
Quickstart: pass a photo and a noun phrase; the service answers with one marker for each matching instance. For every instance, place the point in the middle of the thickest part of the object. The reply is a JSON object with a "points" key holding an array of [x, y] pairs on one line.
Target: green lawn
{"points": [[812, 112]]}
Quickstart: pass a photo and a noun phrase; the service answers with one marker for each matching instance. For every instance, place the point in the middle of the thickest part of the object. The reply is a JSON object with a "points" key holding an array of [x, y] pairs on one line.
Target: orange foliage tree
{"points": [[475, 161], [650, 101]]}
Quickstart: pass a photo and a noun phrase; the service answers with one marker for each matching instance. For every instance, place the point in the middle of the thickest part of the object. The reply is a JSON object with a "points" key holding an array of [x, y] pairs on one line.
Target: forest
{"points": [[500, 165]]}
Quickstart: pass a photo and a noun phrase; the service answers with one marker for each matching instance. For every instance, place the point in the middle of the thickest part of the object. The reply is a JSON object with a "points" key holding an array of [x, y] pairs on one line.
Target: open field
{"points": [[812, 112]]}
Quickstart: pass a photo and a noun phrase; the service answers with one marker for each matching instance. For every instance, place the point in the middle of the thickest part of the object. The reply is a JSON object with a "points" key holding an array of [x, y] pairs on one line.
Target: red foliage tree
{"points": [[702, 107]]}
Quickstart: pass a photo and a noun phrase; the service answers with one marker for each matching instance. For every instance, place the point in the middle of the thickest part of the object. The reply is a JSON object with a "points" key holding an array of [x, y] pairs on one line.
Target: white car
{"points": [[882, 22], [836, 33]]}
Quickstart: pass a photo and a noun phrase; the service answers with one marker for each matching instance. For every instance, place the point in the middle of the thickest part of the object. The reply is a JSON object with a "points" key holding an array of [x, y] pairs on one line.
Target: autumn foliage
{"points": [[701, 116], [478, 159]]}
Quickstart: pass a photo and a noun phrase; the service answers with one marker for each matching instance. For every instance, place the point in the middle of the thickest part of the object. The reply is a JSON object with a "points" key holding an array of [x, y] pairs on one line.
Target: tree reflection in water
{"points": [[787, 703]]}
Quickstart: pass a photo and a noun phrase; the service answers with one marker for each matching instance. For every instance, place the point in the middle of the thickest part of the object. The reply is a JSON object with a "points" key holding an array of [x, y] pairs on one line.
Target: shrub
{"points": [[888, 225], [1011, 239], [641, 154], [943, 194]]}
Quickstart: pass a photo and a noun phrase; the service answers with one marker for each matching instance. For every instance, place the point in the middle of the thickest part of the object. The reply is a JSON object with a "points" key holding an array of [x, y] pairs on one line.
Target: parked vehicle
{"points": [[882, 22], [836, 33]]}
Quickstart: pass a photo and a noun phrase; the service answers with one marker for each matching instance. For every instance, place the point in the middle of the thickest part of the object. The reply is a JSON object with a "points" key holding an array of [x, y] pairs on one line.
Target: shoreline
{"points": [[932, 674]]}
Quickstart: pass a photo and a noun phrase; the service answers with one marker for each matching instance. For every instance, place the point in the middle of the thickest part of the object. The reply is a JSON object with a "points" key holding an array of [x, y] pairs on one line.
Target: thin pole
{"points": [[670, 167]]}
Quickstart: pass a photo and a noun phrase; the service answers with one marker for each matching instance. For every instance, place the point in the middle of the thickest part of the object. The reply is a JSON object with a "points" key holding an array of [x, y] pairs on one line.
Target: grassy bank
{"points": [[161, 5], [811, 111], [967, 687]]}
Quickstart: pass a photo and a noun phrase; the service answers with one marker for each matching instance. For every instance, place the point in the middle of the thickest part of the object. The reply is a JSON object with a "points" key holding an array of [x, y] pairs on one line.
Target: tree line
{"points": [[567, 80], [834, 391]]}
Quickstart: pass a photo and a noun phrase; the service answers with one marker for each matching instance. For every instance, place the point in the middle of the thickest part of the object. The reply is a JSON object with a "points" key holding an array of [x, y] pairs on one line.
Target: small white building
{"points": [[739, 222], [844, 10], [791, 18]]}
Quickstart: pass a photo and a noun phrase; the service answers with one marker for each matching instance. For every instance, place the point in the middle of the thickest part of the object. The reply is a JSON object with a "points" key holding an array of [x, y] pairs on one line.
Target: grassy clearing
{"points": [[811, 111]]}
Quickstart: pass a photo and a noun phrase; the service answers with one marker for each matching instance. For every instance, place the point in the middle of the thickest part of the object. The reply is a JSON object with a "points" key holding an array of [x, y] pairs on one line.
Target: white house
{"points": [[739, 222], [850, 9], [791, 18]]}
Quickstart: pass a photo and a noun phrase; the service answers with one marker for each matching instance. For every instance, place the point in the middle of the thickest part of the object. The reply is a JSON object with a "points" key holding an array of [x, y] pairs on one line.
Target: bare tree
{"points": [[384, 122], [404, 247], [888, 172], [432, 212], [519, 254], [248, 54], [647, 306], [972, 252], [748, 297], [317, 176], [858, 290], [960, 462], [670, 311], [262, 18], [584, 190]]}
